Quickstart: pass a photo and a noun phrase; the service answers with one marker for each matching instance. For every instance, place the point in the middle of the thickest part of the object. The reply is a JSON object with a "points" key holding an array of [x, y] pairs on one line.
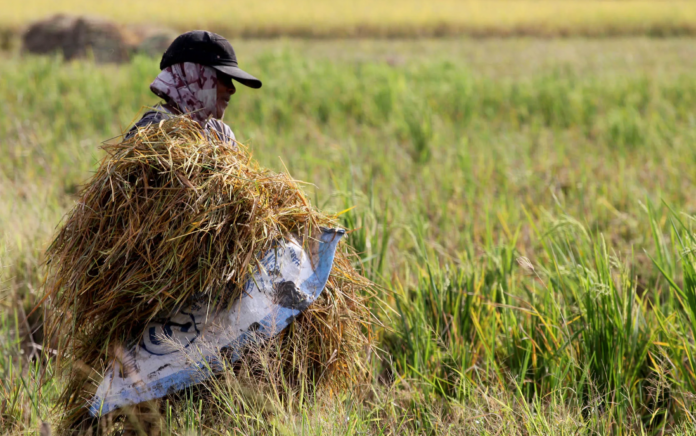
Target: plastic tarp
{"points": [[185, 348]]}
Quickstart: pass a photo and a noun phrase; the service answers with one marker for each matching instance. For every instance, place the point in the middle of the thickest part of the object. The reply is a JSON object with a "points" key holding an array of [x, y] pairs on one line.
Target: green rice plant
{"points": [[531, 279]]}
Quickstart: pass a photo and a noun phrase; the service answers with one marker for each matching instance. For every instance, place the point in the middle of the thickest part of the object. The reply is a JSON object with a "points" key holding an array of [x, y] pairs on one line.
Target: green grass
{"points": [[531, 230]]}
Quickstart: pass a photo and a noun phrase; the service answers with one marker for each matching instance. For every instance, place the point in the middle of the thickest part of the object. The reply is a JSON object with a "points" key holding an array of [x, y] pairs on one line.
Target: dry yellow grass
{"points": [[383, 17], [170, 218]]}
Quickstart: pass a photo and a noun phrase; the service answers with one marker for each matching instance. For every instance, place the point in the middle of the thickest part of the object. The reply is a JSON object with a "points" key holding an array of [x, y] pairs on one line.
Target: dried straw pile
{"points": [[170, 215]]}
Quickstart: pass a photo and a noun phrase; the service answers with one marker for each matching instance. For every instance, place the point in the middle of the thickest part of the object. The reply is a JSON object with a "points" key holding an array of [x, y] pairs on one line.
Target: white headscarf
{"points": [[193, 87]]}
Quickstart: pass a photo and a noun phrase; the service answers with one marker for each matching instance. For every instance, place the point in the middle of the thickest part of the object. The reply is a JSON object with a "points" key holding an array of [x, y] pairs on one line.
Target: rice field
{"points": [[528, 217], [383, 18]]}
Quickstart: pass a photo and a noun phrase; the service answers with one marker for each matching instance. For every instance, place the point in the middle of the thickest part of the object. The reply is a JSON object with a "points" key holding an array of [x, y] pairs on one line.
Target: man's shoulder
{"points": [[213, 126], [223, 130], [150, 117]]}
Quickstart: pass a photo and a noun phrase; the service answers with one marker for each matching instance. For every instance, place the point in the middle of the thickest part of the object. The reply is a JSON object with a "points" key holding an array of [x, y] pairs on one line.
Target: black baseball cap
{"points": [[207, 48]]}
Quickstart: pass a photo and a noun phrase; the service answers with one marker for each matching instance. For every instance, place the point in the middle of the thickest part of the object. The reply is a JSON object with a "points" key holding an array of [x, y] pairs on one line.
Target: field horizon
{"points": [[384, 18]]}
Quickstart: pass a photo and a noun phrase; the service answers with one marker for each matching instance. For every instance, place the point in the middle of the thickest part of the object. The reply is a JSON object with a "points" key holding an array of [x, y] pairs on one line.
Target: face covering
{"points": [[192, 87]]}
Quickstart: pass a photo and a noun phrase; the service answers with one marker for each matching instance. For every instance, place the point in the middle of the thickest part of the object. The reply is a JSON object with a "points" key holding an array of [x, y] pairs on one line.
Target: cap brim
{"points": [[239, 75]]}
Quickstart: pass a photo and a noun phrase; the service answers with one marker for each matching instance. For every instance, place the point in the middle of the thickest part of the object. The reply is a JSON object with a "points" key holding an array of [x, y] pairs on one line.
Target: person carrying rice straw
{"points": [[182, 254], [197, 76]]}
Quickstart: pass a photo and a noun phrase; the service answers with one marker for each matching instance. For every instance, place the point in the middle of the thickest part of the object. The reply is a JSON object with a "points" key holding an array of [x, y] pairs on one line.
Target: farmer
{"points": [[196, 80]]}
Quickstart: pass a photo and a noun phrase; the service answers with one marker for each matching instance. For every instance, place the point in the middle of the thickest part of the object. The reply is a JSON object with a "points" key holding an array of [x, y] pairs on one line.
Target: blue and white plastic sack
{"points": [[185, 349]]}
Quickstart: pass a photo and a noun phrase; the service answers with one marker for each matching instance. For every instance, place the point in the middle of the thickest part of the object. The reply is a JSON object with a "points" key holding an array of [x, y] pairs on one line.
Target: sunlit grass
{"points": [[384, 17]]}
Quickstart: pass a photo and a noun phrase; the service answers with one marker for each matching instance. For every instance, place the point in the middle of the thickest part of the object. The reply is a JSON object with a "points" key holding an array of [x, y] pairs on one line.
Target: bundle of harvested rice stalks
{"points": [[173, 217]]}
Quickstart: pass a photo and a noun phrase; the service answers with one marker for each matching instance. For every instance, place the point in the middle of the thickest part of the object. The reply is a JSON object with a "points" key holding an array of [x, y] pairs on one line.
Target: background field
{"points": [[511, 196], [383, 18]]}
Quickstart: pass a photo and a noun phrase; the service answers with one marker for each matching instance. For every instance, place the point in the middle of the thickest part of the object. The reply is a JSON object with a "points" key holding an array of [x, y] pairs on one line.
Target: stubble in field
{"points": [[382, 18]]}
